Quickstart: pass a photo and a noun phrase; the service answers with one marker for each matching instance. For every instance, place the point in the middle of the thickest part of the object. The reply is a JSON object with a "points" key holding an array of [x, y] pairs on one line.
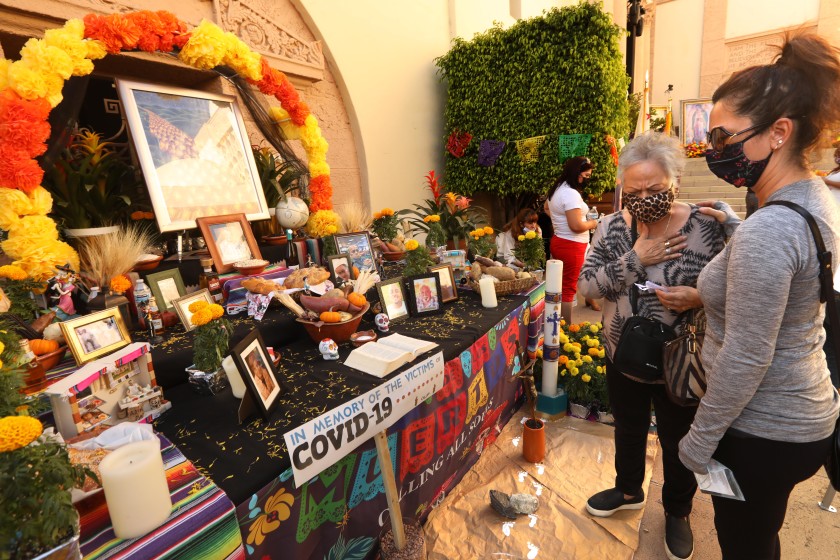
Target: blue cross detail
{"points": [[555, 318]]}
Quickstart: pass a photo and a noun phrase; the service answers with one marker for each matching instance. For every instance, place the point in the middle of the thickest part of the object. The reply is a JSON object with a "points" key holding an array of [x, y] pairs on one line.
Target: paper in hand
{"points": [[719, 481], [649, 286]]}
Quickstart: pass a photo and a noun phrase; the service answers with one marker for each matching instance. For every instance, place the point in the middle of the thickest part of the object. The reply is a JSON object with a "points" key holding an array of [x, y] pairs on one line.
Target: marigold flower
{"points": [[586, 378], [530, 235], [563, 360], [201, 317], [12, 272], [411, 244], [563, 372], [574, 328], [216, 310], [18, 431], [120, 284], [197, 306], [540, 353], [488, 230], [593, 352], [521, 238], [594, 329], [587, 359], [574, 371], [137, 215], [387, 212]]}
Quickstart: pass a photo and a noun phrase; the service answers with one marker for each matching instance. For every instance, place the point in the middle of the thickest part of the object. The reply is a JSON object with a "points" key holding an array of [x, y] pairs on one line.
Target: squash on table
{"points": [[330, 316], [40, 346], [357, 299]]}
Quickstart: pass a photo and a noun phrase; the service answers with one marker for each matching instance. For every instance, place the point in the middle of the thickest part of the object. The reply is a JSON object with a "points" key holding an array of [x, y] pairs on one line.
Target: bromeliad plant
{"points": [[456, 216], [277, 177], [583, 365], [212, 335], [530, 250]]}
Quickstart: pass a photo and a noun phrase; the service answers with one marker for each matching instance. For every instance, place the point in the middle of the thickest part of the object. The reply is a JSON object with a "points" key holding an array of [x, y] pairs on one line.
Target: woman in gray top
{"points": [[675, 241], [770, 407]]}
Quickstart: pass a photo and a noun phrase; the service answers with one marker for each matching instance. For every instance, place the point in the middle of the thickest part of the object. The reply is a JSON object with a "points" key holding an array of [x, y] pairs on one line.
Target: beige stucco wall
{"points": [[678, 37]]}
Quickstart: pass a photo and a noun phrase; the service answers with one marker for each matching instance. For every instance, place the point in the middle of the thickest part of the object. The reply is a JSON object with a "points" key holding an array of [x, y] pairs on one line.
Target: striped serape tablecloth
{"points": [[202, 524]]}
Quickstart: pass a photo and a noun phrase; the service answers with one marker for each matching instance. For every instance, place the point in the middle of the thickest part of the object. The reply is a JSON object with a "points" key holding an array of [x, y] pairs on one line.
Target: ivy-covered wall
{"points": [[558, 74]]}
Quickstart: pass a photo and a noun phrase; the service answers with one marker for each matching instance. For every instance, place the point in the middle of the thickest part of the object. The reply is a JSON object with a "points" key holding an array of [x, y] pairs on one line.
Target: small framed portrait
{"points": [[166, 286], [257, 370], [694, 120], [357, 246], [446, 279], [392, 296], [341, 269], [93, 336], [424, 294], [182, 306], [229, 239]]}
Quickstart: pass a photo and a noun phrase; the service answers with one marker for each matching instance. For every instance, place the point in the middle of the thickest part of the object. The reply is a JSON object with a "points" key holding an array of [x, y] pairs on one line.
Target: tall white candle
{"points": [[237, 386], [135, 487], [554, 276], [549, 379], [488, 292]]}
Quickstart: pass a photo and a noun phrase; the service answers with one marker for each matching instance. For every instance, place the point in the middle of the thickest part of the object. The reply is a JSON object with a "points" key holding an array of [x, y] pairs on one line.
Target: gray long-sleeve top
{"points": [[765, 367]]}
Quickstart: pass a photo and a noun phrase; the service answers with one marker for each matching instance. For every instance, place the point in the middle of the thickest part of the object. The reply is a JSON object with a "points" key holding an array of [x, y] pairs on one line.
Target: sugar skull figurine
{"points": [[382, 321], [329, 349]]}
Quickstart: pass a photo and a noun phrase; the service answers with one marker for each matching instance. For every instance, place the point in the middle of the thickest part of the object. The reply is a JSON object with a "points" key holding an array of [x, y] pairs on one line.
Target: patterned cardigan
{"points": [[612, 267]]}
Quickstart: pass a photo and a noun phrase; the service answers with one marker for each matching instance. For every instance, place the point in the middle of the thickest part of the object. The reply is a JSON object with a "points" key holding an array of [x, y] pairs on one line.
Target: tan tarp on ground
{"points": [[578, 463]]}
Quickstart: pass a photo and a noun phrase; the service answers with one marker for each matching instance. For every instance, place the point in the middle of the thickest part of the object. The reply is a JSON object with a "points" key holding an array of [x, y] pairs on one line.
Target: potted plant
{"points": [[482, 242], [212, 335], [533, 430], [582, 365], [278, 178], [530, 251], [386, 226], [91, 185], [37, 517]]}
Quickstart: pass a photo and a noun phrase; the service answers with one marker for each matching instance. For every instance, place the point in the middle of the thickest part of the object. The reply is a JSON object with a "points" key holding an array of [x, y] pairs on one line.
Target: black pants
{"points": [[766, 471], [630, 402]]}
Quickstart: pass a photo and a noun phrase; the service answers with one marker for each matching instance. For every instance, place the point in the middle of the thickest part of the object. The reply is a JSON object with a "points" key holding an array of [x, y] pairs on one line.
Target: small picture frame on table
{"points": [[424, 294], [446, 280], [258, 372], [341, 269], [95, 335], [358, 246], [229, 239], [393, 298], [167, 286], [182, 306]]}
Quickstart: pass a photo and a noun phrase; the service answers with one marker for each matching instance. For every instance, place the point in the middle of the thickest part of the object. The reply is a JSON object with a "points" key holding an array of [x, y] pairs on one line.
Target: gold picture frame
{"points": [[95, 335], [182, 305]]}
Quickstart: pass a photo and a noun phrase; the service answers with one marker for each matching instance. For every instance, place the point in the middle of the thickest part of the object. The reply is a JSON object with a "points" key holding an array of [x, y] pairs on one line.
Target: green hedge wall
{"points": [[561, 73]]}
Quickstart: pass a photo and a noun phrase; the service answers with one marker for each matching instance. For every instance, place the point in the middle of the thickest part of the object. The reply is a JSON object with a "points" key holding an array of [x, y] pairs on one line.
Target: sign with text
{"points": [[323, 441]]}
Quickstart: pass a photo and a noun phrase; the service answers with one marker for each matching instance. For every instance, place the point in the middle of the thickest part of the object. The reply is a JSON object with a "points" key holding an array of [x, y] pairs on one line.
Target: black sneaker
{"points": [[606, 503], [679, 541]]}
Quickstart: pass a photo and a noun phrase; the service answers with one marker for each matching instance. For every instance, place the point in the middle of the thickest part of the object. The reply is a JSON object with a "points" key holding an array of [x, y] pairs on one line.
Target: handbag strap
{"points": [[826, 275]]}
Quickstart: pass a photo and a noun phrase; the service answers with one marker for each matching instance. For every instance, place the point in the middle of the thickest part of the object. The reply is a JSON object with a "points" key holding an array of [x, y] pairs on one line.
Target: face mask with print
{"points": [[651, 208], [734, 167]]}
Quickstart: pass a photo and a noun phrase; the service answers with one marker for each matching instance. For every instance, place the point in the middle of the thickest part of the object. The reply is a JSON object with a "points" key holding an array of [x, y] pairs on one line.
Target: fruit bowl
{"points": [[52, 359], [147, 262], [250, 267], [339, 332]]}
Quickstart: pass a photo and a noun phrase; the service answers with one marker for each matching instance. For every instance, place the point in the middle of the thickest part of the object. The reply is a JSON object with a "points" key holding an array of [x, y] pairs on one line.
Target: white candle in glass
{"points": [[237, 386], [554, 276], [549, 379], [488, 292], [135, 487]]}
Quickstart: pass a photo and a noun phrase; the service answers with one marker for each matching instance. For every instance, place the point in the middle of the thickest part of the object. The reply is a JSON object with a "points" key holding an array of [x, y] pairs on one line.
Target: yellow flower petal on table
{"points": [[216, 310], [18, 431], [411, 244], [196, 306]]}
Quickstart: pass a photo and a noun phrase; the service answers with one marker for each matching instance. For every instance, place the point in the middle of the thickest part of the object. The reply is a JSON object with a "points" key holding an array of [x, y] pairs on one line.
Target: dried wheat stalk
{"points": [[106, 256]]}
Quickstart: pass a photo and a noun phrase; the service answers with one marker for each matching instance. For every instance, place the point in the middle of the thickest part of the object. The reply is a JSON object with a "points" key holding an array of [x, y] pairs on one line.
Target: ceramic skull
{"points": [[382, 321], [329, 349]]}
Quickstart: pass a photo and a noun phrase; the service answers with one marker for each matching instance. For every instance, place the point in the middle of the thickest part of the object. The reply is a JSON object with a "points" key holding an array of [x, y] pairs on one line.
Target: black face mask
{"points": [[584, 181], [734, 167]]}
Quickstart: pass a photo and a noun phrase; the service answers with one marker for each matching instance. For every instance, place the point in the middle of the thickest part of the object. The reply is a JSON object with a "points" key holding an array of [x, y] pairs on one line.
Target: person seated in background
{"points": [[525, 221]]}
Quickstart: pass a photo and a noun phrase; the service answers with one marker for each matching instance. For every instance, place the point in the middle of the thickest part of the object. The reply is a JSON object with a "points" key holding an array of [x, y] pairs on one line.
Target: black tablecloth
{"points": [[241, 459]]}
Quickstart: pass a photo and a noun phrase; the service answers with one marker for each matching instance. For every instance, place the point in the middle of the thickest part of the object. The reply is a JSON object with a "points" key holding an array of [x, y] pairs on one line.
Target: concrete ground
{"points": [[808, 533]]}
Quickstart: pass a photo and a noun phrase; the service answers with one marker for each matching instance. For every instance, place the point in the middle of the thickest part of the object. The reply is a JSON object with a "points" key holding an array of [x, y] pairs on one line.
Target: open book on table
{"points": [[387, 354]]}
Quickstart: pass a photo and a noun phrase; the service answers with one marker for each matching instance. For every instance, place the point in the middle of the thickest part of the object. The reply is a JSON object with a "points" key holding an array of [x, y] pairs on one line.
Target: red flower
{"points": [[19, 170], [117, 31], [321, 189], [23, 123]]}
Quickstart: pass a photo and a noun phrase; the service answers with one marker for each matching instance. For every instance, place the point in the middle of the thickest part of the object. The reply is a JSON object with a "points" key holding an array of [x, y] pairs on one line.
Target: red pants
{"points": [[572, 254]]}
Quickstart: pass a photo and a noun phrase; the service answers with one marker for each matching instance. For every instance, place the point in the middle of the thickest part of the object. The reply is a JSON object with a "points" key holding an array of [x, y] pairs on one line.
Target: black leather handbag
{"points": [[832, 462]]}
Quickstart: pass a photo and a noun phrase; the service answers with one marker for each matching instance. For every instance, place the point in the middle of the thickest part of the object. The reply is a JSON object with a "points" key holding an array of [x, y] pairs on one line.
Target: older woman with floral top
{"points": [[674, 242]]}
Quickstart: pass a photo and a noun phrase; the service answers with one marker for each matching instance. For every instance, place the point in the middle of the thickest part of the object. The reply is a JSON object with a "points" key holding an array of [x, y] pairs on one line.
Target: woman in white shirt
{"points": [[525, 221], [568, 211], [832, 179]]}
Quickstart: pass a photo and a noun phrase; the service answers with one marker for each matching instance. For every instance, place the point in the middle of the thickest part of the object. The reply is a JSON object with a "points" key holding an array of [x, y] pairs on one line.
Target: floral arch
{"points": [[31, 87]]}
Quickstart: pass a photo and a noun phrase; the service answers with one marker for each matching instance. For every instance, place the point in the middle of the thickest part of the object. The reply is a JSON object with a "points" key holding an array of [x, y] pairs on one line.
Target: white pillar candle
{"points": [[135, 487], [549, 379], [237, 386], [554, 276], [488, 292]]}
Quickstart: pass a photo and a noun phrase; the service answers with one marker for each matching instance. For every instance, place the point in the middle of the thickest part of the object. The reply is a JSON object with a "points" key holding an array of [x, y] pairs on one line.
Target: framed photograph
{"points": [[194, 152], [166, 287], [694, 119], [182, 306], [93, 336], [257, 370], [424, 294], [229, 239], [392, 296], [446, 279], [358, 246], [341, 270]]}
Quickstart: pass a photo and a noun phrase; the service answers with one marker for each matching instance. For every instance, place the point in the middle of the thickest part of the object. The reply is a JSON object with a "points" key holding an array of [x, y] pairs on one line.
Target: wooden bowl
{"points": [[251, 270], [339, 332], [52, 359], [393, 256], [366, 336], [148, 264]]}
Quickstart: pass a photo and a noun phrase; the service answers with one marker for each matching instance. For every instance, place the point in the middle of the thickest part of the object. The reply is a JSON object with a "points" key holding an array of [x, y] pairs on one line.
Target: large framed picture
{"points": [[446, 279], [392, 297], [229, 239], [95, 335], [694, 120], [167, 286], [194, 152], [358, 246], [424, 294], [182, 306], [257, 370], [341, 270]]}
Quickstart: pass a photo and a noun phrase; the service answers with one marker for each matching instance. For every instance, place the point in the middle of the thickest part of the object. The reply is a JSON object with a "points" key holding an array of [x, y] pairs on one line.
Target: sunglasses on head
{"points": [[717, 137]]}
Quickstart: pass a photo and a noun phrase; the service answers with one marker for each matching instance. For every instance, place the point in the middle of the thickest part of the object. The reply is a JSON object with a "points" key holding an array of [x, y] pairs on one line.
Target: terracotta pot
{"points": [[533, 441]]}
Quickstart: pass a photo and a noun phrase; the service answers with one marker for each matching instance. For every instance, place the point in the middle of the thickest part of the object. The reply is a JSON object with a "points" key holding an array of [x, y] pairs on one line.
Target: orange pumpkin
{"points": [[330, 316], [357, 299], [40, 346]]}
